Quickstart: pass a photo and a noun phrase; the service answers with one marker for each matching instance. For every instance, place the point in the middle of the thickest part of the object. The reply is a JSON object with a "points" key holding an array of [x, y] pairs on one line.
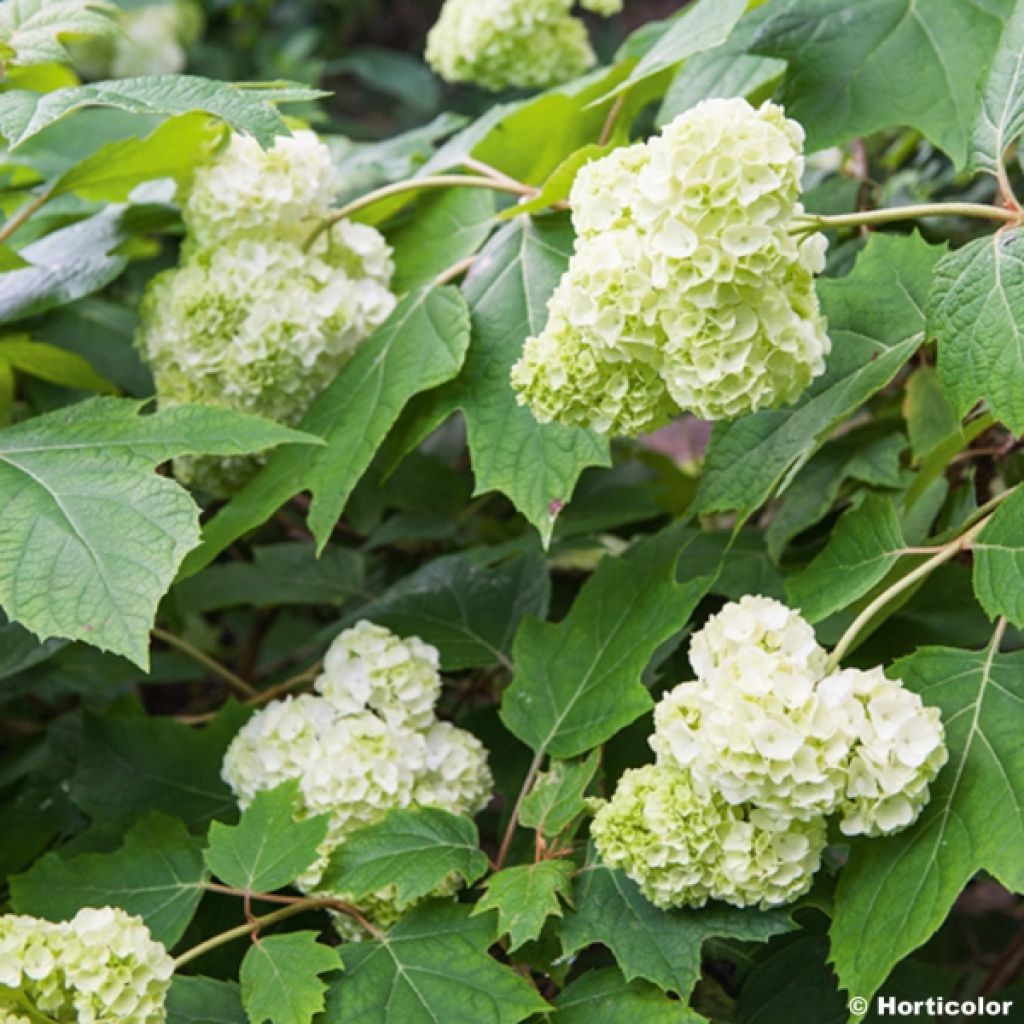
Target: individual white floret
{"points": [[262, 327], [688, 289], [101, 966], [900, 749], [280, 192], [367, 666], [501, 43]]}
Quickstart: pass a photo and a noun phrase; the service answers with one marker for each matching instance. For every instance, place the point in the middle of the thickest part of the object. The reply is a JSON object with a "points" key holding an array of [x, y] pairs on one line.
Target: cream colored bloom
{"points": [[687, 289]]}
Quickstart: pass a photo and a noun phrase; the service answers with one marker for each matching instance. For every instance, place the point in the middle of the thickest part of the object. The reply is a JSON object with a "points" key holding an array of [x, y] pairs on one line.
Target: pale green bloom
{"points": [[687, 289], [100, 967], [260, 326], [503, 43], [369, 744], [276, 193]]}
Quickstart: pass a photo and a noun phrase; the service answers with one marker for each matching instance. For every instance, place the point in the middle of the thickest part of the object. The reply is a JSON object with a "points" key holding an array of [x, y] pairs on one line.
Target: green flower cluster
{"points": [[688, 289], [499, 44], [250, 319], [752, 758], [370, 742], [98, 968]]}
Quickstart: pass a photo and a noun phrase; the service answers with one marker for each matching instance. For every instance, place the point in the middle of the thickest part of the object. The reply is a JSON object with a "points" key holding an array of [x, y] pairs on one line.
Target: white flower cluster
{"points": [[101, 966], [250, 320], [688, 289], [499, 44], [754, 755], [371, 742], [153, 40]]}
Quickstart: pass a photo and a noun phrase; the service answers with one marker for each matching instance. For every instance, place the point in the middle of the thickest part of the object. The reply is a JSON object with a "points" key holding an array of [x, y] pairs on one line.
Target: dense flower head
{"points": [[688, 289], [248, 190], [369, 743], [260, 326], [520, 43], [899, 750], [367, 666], [101, 966], [755, 754]]}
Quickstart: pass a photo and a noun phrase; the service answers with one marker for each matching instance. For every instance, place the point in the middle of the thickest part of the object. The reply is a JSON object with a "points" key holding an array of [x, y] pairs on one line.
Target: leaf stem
{"points": [[415, 185], [613, 115], [236, 682], [28, 210], [898, 213], [513, 822], [942, 555]]}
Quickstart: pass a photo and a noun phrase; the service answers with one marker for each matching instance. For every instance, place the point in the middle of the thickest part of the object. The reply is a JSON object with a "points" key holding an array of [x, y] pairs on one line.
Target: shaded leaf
{"points": [[267, 849], [999, 561], [876, 322], [413, 850], [605, 997], [577, 682], [863, 547], [158, 874], [198, 1000], [53, 364], [663, 947], [556, 798], [931, 420]]}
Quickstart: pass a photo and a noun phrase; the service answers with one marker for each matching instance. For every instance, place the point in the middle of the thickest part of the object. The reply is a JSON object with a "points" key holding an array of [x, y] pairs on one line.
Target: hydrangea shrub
{"points": [[524, 526]]}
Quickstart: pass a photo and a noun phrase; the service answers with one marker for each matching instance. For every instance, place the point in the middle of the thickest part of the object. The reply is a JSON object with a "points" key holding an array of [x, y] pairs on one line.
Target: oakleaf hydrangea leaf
{"points": [[197, 1000], [1001, 118], [525, 896], [557, 795], [90, 538], [577, 682], [158, 875], [894, 893], [281, 978], [663, 947], [605, 997], [999, 561], [267, 849], [33, 31], [413, 850], [432, 966]]}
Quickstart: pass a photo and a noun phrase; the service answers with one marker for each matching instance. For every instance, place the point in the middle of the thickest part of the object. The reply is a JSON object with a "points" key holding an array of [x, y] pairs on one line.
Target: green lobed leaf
{"points": [[198, 1000], [159, 764], [1001, 117], [33, 31], [447, 227], [863, 547], [605, 997], [172, 150], [976, 313], [577, 682], [80, 495], [158, 874], [702, 26], [525, 896], [246, 108], [280, 978], [895, 892], [556, 798], [421, 345], [432, 966], [413, 850], [467, 605], [50, 363], [267, 849], [537, 465], [999, 561], [876, 322], [660, 946], [898, 62]]}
